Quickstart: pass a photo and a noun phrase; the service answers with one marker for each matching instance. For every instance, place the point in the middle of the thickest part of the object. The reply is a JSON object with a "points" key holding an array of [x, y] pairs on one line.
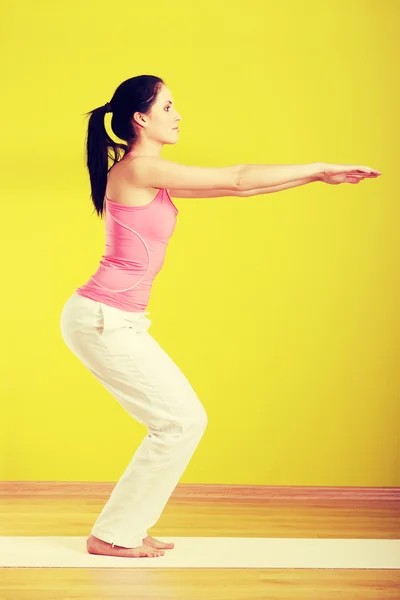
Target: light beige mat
{"points": [[207, 552]]}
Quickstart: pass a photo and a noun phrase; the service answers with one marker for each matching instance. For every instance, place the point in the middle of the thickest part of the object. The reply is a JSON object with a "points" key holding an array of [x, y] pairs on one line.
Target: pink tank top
{"points": [[136, 243]]}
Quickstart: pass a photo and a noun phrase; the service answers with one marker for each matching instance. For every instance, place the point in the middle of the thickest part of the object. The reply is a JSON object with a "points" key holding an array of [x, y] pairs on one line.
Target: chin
{"points": [[172, 141]]}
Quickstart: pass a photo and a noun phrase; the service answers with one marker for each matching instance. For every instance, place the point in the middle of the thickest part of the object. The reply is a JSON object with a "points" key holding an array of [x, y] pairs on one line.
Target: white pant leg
{"points": [[117, 349]]}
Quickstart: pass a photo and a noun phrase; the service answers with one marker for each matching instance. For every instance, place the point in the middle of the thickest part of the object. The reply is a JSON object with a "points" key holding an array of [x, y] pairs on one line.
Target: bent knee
{"points": [[196, 421], [181, 424]]}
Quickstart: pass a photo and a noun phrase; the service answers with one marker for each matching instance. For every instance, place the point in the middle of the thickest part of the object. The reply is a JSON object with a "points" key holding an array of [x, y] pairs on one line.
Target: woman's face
{"points": [[163, 120]]}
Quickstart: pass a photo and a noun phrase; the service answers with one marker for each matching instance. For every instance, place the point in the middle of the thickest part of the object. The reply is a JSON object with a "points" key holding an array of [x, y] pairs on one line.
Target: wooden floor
{"points": [[41, 514]]}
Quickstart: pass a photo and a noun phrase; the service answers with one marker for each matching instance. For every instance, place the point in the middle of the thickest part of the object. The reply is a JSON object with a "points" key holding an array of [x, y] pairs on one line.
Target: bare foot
{"points": [[150, 541], [96, 546]]}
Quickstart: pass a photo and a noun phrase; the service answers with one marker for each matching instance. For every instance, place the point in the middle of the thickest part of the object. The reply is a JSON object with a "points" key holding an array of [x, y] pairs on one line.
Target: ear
{"points": [[138, 118]]}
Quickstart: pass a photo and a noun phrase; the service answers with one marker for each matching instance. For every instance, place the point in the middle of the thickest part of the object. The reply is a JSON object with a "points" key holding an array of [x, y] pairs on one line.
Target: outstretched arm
{"points": [[282, 178]]}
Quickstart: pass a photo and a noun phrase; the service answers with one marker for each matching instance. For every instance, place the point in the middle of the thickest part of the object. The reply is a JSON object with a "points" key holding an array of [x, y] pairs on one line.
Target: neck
{"points": [[146, 148]]}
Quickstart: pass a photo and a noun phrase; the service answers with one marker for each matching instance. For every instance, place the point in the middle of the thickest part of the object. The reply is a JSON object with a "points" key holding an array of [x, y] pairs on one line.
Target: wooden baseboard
{"points": [[186, 491]]}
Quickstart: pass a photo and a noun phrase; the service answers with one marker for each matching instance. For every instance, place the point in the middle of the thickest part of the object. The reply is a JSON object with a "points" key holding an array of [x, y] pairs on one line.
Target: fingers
{"points": [[357, 177], [367, 170], [361, 176]]}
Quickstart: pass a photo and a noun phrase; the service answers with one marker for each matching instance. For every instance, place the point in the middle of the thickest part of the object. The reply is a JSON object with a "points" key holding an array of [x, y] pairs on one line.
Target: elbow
{"points": [[239, 186]]}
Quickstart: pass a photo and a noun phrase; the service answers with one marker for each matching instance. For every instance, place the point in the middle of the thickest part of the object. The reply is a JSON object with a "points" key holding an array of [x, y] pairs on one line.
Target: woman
{"points": [[104, 322]]}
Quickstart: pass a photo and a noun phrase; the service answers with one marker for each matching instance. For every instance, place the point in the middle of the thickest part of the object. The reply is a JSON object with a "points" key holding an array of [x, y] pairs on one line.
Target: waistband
{"points": [[112, 316], [115, 317]]}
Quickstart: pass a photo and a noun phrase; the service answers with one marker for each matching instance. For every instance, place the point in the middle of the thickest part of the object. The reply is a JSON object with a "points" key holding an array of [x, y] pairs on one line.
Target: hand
{"points": [[335, 174]]}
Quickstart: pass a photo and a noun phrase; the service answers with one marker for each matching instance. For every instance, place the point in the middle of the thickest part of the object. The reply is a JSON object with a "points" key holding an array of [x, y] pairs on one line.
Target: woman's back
{"points": [[138, 226]]}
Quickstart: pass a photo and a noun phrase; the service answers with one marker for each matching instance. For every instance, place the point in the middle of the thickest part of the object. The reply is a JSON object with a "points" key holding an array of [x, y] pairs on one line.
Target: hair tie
{"points": [[108, 108]]}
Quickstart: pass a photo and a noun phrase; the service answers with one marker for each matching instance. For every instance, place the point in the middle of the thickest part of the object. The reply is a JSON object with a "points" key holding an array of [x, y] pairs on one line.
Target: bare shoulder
{"points": [[120, 188]]}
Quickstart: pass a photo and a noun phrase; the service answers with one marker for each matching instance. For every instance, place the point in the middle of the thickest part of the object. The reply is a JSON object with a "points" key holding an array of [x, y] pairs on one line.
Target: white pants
{"points": [[118, 350]]}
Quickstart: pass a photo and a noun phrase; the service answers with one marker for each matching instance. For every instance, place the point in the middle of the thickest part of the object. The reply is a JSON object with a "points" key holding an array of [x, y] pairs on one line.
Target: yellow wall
{"points": [[282, 309]]}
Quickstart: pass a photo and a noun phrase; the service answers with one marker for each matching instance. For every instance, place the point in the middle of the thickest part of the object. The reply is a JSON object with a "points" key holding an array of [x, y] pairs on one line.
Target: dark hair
{"points": [[135, 94]]}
